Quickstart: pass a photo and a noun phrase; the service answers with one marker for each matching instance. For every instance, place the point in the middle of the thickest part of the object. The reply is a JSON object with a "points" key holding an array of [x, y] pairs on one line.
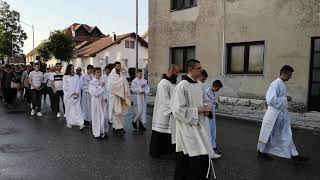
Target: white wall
{"points": [[118, 52]]}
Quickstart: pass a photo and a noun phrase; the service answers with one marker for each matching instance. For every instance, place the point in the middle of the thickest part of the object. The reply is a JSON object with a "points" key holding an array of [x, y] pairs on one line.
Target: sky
{"points": [[109, 16]]}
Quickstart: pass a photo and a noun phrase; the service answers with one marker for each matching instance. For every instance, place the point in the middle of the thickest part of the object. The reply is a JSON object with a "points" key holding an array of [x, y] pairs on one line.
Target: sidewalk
{"points": [[306, 121]]}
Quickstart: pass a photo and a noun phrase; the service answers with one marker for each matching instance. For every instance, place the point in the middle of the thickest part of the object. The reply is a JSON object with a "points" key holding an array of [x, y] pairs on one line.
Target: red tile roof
{"points": [[80, 41], [77, 26], [31, 53], [104, 43]]}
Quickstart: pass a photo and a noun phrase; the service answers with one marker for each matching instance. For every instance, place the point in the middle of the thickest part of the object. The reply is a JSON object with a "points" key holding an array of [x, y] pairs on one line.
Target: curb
{"points": [[258, 121]]}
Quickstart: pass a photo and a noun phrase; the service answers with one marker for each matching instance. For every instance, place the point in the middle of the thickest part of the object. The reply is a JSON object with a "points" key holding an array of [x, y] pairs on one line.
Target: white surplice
{"points": [[86, 96], [162, 113], [119, 101], [106, 97], [191, 127], [98, 105], [72, 103], [140, 100], [276, 135]]}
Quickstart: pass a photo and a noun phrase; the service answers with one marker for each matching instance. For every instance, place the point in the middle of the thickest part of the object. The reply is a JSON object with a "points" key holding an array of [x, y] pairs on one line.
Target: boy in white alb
{"points": [[100, 124], [85, 94], [211, 95], [72, 98], [140, 88]]}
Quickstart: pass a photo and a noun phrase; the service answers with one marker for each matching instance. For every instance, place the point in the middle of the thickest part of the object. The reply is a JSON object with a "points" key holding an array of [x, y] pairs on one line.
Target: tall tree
{"points": [[44, 51], [61, 46], [12, 35]]}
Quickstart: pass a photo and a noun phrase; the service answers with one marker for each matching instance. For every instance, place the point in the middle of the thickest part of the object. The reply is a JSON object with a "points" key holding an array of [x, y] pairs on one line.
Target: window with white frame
{"points": [[125, 63], [129, 44]]}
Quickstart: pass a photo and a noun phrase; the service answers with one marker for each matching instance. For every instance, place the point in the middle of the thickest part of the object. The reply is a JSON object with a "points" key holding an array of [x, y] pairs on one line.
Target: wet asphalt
{"points": [[44, 148]]}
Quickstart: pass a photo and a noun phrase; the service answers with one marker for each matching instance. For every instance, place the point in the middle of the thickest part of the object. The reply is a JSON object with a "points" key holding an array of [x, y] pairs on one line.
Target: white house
{"points": [[145, 36], [111, 49]]}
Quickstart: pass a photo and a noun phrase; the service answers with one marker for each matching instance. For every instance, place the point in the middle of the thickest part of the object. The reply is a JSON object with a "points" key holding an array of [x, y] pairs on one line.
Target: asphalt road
{"points": [[43, 148]]}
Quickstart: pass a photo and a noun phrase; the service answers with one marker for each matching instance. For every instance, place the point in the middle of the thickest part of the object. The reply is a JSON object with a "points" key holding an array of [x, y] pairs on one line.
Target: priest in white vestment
{"points": [[193, 147], [161, 142], [119, 100], [275, 134], [140, 89], [71, 98], [85, 94], [98, 105]]}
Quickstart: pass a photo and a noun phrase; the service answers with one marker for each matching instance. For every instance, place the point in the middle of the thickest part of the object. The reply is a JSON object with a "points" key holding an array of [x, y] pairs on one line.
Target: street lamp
{"points": [[32, 33], [137, 42]]}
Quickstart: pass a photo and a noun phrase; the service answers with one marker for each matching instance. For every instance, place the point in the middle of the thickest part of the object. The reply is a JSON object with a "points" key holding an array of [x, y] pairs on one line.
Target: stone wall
{"points": [[259, 104], [286, 27]]}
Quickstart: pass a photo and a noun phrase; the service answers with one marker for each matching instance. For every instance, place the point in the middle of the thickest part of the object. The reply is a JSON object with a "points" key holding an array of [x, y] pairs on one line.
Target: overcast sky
{"points": [[49, 15]]}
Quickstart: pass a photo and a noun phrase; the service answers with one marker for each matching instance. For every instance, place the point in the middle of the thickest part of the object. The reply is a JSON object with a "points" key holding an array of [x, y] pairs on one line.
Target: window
{"points": [[245, 58], [179, 56], [107, 59], [182, 4], [129, 44], [132, 44], [125, 63]]}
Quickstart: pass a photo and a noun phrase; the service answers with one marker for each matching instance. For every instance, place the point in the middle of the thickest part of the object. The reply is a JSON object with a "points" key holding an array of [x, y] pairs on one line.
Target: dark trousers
{"points": [[9, 95], [56, 101], [51, 97], [160, 144], [36, 99], [27, 95], [191, 168]]}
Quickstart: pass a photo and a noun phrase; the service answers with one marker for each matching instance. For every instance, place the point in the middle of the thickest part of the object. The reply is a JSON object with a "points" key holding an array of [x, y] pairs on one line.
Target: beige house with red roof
{"points": [[82, 35]]}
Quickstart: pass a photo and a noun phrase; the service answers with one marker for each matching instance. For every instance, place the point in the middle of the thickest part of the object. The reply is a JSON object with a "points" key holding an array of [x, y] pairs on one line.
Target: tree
{"points": [[12, 35], [44, 51], [61, 46]]}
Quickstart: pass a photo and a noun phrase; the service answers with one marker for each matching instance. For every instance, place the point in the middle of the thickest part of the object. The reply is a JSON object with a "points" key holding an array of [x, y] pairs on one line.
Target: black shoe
{"points": [[264, 156], [134, 124], [141, 127], [123, 131], [119, 132], [105, 136], [300, 158], [216, 150]]}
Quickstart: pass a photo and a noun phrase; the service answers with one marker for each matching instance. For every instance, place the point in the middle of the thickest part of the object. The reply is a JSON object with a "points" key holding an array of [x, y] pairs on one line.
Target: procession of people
{"points": [[183, 122]]}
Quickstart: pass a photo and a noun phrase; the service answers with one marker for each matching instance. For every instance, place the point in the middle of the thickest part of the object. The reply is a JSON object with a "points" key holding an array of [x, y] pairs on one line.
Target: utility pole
{"points": [[32, 34], [137, 36]]}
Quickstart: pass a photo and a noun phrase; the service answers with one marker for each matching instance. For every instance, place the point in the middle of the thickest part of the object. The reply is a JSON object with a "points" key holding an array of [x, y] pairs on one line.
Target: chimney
{"points": [[114, 37]]}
